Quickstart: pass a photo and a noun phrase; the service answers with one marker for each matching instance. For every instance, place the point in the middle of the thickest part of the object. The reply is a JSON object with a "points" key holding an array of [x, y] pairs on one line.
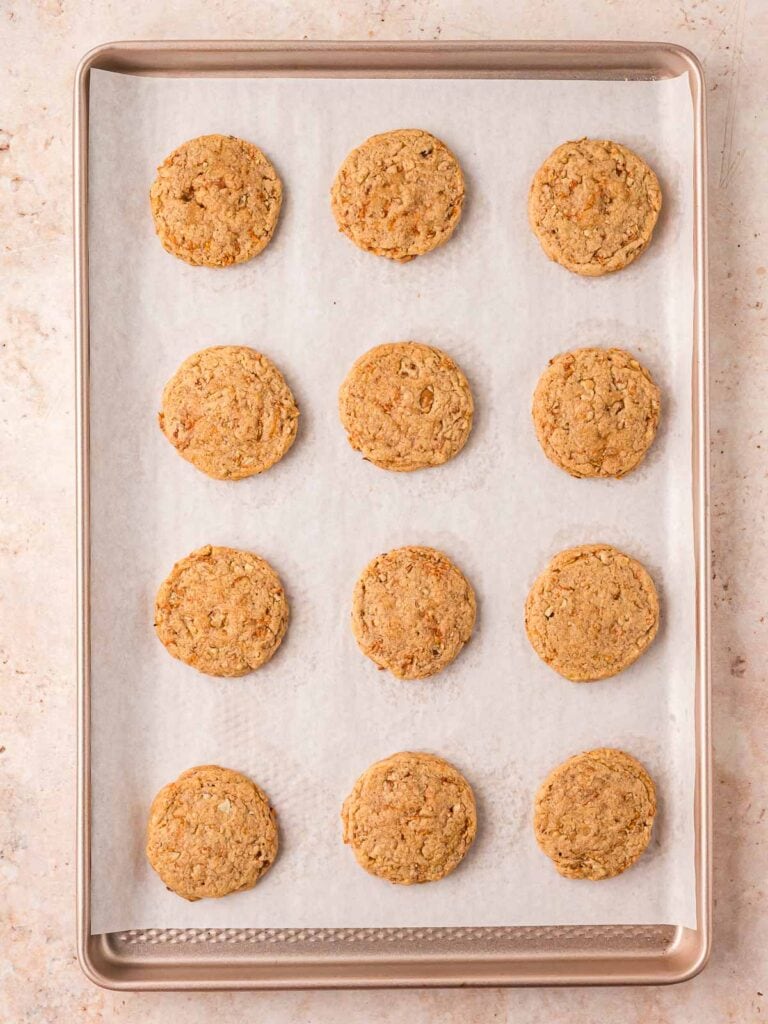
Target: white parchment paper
{"points": [[319, 713]]}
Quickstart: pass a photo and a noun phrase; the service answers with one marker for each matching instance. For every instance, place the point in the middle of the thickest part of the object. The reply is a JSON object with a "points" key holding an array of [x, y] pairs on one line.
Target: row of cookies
{"points": [[405, 406], [590, 614], [593, 203], [410, 818]]}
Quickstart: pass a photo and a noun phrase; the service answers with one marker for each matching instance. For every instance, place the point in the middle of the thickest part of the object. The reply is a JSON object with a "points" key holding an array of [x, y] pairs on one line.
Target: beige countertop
{"points": [[40, 44]]}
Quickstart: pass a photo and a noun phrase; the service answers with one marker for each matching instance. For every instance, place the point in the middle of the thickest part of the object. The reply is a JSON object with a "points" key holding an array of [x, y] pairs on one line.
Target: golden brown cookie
{"points": [[215, 201], [406, 406], [399, 195], [412, 611], [410, 818], [594, 814], [211, 832], [596, 411], [229, 411], [592, 612], [222, 611], [593, 205]]}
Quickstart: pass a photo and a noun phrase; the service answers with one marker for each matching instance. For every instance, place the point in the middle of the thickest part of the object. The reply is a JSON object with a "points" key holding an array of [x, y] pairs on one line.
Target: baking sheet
{"points": [[311, 720]]}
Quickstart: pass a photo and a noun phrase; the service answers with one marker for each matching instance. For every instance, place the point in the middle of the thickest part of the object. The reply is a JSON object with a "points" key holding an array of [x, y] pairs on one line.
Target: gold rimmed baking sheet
{"points": [[251, 957]]}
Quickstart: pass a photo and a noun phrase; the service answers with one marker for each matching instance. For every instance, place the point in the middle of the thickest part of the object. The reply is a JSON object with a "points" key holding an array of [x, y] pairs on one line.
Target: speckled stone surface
{"points": [[40, 44]]}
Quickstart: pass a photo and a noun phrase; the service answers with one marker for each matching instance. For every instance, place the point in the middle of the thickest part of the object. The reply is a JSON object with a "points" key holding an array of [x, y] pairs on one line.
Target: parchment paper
{"points": [[319, 713]]}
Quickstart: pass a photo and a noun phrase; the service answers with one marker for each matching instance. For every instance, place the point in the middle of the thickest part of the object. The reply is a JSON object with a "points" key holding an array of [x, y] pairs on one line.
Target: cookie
{"points": [[412, 611], [596, 411], [592, 612], [222, 611], [215, 201], [399, 195], [410, 818], [211, 832], [593, 205], [229, 411], [594, 814], [406, 406]]}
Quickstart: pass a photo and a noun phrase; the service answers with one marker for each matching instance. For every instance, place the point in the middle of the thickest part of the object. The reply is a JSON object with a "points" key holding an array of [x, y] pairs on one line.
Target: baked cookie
{"points": [[406, 406], [410, 818], [211, 832], [592, 612], [228, 411], [412, 611], [593, 205], [222, 611], [596, 411], [399, 195], [594, 814], [215, 201]]}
